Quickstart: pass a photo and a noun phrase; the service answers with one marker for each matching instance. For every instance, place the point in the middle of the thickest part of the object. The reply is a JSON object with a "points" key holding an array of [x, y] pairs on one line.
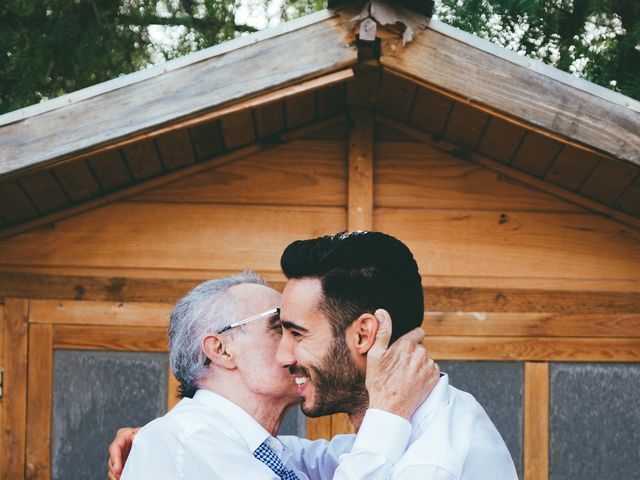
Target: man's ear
{"points": [[216, 348], [363, 331]]}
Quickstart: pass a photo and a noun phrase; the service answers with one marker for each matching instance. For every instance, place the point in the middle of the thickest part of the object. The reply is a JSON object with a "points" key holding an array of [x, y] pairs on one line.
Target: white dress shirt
{"points": [[209, 437], [453, 439]]}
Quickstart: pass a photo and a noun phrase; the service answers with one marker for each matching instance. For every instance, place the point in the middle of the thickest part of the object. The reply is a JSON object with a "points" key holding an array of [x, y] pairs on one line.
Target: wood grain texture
{"points": [[337, 131], [14, 402], [135, 108], [142, 159], [629, 201], [331, 101], [102, 288], [2, 359], [100, 313], [269, 119], [300, 109], [207, 140], [360, 190], [475, 157], [536, 421], [110, 170], [302, 172], [175, 149], [396, 96], [45, 191], [532, 324], [340, 424], [501, 139], [77, 180], [572, 167], [536, 154], [83, 337], [607, 182], [40, 398], [431, 111], [15, 206], [417, 175], [319, 428], [191, 236], [535, 98], [546, 349], [164, 290], [515, 244], [465, 125], [168, 177], [238, 129]]}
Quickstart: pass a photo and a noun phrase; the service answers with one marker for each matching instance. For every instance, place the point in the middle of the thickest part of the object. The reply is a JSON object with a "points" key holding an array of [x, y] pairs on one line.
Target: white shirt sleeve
{"points": [[161, 453], [381, 441]]}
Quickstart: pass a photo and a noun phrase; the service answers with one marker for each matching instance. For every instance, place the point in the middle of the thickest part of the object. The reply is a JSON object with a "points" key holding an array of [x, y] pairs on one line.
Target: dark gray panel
{"points": [[294, 423], [498, 387], [94, 394], [594, 421]]}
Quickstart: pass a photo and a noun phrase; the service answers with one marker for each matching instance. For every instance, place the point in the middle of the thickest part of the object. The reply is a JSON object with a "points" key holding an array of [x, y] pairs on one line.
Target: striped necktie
{"points": [[271, 460]]}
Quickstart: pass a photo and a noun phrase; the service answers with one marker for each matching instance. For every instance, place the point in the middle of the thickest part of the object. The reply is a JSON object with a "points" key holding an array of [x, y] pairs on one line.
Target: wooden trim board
{"points": [[536, 421], [14, 402]]}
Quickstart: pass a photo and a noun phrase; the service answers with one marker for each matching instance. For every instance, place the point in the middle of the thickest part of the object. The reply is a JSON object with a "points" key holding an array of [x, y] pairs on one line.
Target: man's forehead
{"points": [[300, 302], [302, 291], [254, 298]]}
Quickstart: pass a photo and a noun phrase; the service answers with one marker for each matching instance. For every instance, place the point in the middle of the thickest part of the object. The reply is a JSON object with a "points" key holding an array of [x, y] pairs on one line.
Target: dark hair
{"points": [[360, 272]]}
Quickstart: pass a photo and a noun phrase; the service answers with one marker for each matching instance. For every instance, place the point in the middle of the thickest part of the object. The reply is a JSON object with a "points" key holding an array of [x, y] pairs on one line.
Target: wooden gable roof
{"points": [[474, 99]]}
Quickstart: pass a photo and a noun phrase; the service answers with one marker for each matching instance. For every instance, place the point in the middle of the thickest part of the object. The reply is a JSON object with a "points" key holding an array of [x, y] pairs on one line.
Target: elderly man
{"points": [[335, 284], [223, 338]]}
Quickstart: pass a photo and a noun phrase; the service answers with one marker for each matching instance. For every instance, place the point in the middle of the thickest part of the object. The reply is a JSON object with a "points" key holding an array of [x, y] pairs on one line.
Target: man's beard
{"points": [[339, 385]]}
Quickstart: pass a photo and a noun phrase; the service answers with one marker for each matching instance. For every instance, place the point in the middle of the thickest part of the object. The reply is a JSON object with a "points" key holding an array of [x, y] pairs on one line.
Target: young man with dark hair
{"points": [[335, 285]]}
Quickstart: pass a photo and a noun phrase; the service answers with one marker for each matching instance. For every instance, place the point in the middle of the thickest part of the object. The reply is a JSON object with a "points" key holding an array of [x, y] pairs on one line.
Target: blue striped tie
{"points": [[271, 460]]}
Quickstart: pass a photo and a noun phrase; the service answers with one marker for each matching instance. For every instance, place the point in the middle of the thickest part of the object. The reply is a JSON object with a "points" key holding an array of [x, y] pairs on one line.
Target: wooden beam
{"points": [[167, 178], [14, 401], [544, 349], [360, 193], [166, 290], [81, 337], [532, 324], [39, 402], [510, 172], [100, 313], [536, 421], [469, 69], [134, 108]]}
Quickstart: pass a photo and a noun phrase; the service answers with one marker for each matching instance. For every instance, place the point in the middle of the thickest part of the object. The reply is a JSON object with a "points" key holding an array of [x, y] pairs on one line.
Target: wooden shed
{"points": [[516, 186]]}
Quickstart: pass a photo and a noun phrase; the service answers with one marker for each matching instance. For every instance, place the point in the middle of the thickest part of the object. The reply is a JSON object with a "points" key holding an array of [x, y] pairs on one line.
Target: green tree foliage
{"points": [[595, 39], [52, 47]]}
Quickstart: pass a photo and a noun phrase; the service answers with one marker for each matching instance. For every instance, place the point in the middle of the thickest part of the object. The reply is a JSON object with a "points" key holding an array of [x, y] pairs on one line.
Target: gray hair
{"points": [[206, 308]]}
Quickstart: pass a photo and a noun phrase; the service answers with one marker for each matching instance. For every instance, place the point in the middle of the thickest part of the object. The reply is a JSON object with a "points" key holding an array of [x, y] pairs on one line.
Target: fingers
{"points": [[119, 450], [414, 336], [115, 455], [383, 336]]}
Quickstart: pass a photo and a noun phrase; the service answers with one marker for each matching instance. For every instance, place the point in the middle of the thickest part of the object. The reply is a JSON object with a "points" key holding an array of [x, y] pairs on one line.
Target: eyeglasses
{"points": [[268, 313]]}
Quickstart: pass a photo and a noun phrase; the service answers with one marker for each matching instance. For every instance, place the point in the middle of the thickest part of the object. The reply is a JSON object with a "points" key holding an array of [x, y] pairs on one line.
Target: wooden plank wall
{"points": [[239, 215], [511, 272]]}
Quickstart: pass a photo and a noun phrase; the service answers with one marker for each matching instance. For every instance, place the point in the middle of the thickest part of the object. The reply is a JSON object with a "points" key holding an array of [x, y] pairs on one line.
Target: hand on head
{"points": [[401, 376], [119, 451]]}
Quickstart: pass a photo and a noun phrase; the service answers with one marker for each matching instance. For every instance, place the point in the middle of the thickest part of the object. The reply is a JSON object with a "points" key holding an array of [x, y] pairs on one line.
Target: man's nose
{"points": [[284, 354]]}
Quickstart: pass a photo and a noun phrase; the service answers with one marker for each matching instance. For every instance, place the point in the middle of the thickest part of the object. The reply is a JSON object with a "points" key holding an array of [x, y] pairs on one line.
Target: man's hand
{"points": [[119, 451], [400, 377]]}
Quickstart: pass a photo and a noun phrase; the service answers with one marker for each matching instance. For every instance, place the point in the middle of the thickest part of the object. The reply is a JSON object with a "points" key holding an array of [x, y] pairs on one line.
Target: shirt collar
{"points": [[423, 415], [249, 429]]}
